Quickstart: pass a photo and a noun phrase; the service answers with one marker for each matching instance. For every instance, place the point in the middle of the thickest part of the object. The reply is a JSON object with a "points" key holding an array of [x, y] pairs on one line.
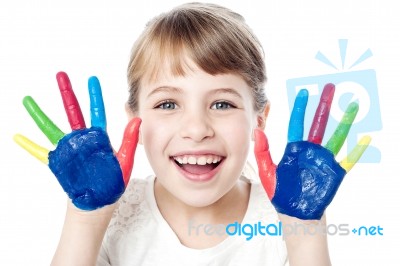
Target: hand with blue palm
{"points": [[307, 178], [84, 161]]}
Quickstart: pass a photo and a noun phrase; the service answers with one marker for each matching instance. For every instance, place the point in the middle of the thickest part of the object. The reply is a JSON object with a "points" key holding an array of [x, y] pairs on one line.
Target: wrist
{"points": [[297, 230], [82, 235], [99, 216], [306, 240]]}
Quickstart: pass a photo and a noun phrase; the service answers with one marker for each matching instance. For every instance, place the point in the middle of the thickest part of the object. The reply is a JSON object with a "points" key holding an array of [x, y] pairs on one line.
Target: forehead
{"points": [[194, 77]]}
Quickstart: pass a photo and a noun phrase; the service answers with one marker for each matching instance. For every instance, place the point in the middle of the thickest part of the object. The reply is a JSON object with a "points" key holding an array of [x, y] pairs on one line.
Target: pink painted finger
{"points": [[71, 104], [321, 116], [126, 153], [266, 167]]}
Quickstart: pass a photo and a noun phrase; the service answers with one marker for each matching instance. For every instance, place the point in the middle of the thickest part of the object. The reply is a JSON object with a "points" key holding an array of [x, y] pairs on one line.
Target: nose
{"points": [[196, 126]]}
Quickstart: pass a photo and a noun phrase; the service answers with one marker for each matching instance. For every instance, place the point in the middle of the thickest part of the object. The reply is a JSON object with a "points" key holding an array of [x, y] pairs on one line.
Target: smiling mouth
{"points": [[198, 165]]}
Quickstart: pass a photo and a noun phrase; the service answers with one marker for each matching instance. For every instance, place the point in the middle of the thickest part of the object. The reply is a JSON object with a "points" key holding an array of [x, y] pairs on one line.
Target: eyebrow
{"points": [[231, 91], [164, 89], [170, 89]]}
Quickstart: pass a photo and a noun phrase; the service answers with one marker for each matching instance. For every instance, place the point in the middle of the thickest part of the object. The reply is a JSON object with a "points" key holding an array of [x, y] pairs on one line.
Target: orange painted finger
{"points": [[126, 153], [266, 167]]}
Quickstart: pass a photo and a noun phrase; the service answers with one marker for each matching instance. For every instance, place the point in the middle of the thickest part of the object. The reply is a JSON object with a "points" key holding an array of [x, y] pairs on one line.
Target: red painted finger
{"points": [[266, 167], [126, 153], [321, 116], [71, 104]]}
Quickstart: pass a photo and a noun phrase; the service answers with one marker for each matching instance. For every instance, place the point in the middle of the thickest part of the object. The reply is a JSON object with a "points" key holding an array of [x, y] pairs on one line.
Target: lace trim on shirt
{"points": [[132, 211]]}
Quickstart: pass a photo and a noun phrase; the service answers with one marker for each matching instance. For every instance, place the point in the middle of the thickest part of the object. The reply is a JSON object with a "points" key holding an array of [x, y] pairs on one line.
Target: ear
{"points": [[130, 114], [262, 118]]}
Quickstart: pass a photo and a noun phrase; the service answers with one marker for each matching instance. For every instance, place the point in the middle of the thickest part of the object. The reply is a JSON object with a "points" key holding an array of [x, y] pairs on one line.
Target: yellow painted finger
{"points": [[37, 151], [351, 159]]}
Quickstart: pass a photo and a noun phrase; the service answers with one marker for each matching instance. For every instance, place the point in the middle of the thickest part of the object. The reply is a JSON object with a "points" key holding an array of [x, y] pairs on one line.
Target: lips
{"points": [[200, 167]]}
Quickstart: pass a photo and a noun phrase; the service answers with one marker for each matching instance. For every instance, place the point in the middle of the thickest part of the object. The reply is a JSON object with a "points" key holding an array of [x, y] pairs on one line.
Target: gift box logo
{"points": [[359, 85]]}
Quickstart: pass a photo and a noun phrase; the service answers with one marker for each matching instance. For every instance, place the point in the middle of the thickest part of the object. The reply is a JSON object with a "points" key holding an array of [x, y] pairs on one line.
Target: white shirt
{"points": [[139, 235]]}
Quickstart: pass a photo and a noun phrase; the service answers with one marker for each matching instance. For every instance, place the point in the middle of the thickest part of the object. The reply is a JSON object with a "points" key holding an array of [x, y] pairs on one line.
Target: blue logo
{"points": [[351, 85]]}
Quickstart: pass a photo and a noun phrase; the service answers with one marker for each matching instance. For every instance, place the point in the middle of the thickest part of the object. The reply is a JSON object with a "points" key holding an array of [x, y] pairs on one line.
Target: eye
{"points": [[222, 105], [167, 105]]}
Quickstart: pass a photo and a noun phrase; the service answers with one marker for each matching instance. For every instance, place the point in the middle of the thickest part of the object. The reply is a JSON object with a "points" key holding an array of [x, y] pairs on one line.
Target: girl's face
{"points": [[196, 131]]}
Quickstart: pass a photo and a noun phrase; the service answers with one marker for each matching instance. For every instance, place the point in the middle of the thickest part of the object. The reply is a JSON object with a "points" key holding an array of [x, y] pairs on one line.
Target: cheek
{"points": [[155, 135], [237, 134]]}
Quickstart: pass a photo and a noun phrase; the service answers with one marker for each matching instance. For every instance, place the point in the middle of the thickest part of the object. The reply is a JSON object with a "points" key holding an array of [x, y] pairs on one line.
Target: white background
{"points": [[84, 38]]}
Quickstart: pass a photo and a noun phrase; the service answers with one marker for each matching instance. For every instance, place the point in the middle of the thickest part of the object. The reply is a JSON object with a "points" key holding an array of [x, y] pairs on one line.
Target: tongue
{"points": [[197, 169]]}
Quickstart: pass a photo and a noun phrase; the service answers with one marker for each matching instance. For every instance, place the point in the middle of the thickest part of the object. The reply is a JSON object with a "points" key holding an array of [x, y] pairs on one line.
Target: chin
{"points": [[199, 201]]}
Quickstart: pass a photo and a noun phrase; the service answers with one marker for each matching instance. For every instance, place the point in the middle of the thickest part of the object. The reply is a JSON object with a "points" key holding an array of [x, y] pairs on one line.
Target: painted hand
{"points": [[83, 160], [306, 180]]}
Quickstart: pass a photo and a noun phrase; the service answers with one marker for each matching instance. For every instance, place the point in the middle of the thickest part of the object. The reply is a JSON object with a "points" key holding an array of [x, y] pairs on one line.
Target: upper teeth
{"points": [[201, 160]]}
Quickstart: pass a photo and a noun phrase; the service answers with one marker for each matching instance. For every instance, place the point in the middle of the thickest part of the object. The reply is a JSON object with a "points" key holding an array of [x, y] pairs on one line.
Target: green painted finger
{"points": [[52, 132], [335, 143]]}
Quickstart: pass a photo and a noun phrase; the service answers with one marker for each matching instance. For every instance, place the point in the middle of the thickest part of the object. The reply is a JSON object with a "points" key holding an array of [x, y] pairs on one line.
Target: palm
{"points": [[307, 178], [86, 168]]}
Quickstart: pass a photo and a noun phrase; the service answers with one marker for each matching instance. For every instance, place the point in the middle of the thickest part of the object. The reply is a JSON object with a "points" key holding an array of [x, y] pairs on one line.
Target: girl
{"points": [[196, 79]]}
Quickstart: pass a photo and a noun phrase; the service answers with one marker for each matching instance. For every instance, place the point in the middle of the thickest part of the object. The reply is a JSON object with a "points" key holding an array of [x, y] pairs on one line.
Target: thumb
{"points": [[266, 167], [126, 153]]}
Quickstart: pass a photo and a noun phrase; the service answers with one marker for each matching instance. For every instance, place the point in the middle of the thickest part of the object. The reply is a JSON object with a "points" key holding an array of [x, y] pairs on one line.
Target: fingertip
{"points": [[303, 93], [132, 131], [365, 140], [328, 92], [27, 98], [63, 81], [93, 78], [17, 138], [261, 142], [27, 101], [93, 81], [353, 107], [329, 86], [61, 75], [135, 123]]}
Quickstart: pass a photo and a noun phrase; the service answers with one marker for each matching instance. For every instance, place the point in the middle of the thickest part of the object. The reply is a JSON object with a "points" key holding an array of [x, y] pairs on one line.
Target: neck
{"points": [[180, 216]]}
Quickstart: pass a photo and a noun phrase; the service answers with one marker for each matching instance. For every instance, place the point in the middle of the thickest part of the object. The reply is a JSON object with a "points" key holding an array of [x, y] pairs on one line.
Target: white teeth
{"points": [[191, 160], [200, 160]]}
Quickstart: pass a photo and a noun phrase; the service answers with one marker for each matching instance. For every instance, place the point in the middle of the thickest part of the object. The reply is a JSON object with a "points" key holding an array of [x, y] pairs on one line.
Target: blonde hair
{"points": [[215, 38]]}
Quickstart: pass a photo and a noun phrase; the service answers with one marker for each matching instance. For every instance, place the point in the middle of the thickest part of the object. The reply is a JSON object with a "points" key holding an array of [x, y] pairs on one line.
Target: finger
{"points": [[52, 132], [318, 125], [71, 104], [97, 111], [351, 159], [126, 153], [296, 123], [37, 151], [266, 167], [335, 143]]}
